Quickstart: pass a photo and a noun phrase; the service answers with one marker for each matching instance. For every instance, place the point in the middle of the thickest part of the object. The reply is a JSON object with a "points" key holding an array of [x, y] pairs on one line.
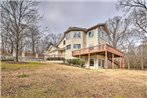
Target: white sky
{"points": [[59, 15]]}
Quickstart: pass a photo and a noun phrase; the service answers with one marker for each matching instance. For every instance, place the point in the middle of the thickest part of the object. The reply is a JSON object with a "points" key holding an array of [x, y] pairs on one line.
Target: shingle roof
{"points": [[75, 29], [82, 29]]}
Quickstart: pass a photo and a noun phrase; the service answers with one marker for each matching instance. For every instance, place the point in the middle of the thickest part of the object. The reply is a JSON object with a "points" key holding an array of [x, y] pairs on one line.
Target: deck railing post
{"points": [[105, 47], [106, 60]]}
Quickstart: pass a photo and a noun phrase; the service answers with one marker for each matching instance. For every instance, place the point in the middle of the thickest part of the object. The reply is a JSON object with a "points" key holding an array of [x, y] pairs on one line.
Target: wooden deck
{"points": [[106, 50], [99, 49]]}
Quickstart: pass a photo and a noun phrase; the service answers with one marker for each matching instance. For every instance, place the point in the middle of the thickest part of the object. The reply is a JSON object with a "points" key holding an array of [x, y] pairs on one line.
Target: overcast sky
{"points": [[58, 16]]}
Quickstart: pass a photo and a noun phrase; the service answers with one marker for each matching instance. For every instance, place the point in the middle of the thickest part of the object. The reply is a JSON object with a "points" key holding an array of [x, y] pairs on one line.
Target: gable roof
{"points": [[75, 29], [52, 45], [72, 29], [61, 40], [98, 25], [83, 29]]}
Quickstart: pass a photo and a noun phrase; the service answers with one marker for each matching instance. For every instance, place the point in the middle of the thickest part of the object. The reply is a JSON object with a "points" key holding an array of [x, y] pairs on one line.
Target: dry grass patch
{"points": [[61, 81]]}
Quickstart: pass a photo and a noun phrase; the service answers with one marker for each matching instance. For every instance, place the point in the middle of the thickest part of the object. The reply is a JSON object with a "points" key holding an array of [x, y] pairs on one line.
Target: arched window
{"points": [[90, 34]]}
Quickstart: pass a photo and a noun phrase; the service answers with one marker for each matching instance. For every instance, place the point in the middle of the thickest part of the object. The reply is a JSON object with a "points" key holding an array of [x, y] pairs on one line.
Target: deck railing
{"points": [[97, 48]]}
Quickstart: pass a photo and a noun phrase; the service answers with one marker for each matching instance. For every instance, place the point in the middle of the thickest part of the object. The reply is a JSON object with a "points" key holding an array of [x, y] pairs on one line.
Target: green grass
{"points": [[15, 66], [23, 75]]}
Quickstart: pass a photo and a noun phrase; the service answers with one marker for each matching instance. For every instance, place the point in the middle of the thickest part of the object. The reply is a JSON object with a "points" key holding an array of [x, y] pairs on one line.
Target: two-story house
{"points": [[91, 45]]}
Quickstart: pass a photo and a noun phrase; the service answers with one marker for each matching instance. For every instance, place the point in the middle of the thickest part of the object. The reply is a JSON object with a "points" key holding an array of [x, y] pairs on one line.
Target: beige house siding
{"points": [[96, 59], [61, 45], [84, 39], [71, 41], [53, 48], [53, 53], [92, 40], [57, 53], [105, 39]]}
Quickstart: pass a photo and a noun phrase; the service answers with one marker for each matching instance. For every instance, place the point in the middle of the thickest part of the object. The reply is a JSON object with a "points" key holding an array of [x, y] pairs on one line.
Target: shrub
{"points": [[81, 63], [76, 62], [69, 61], [7, 58]]}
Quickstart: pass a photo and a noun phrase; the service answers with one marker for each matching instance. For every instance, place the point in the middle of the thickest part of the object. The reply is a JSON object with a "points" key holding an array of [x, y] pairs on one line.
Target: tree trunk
{"points": [[128, 61], [17, 52], [128, 64], [11, 51], [3, 47], [33, 48], [17, 45], [142, 60]]}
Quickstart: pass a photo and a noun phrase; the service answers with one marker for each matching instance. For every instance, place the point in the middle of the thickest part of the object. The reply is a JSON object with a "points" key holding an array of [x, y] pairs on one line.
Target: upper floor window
{"points": [[90, 34], [68, 47], [67, 36], [101, 34], [77, 35], [64, 42], [77, 46]]}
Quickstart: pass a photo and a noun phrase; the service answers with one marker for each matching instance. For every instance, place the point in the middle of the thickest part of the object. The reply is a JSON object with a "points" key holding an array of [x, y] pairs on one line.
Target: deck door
{"points": [[91, 62], [101, 63]]}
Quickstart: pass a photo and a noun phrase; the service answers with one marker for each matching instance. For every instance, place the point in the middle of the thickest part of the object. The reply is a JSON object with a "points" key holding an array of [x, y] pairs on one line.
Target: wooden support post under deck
{"points": [[88, 60], [106, 60], [120, 63], [112, 61], [123, 63]]}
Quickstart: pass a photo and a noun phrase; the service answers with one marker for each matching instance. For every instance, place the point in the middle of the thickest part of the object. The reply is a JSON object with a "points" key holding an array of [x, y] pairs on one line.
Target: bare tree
{"points": [[6, 38], [19, 14], [54, 38], [34, 35], [118, 29], [48, 40], [137, 10]]}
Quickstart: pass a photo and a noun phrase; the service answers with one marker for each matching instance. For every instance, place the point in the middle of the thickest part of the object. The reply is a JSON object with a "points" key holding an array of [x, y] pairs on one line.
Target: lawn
{"points": [[49, 80]]}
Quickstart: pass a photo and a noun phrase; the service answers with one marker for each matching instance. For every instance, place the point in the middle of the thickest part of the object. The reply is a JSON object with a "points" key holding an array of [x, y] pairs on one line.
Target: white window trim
{"points": [[75, 46], [77, 35], [92, 34]]}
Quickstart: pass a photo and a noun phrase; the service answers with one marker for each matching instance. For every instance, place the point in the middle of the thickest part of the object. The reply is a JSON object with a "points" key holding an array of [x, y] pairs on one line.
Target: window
{"points": [[77, 46], [101, 34], [90, 34], [68, 47], [64, 42], [77, 35], [91, 62], [103, 62], [67, 36], [99, 64]]}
